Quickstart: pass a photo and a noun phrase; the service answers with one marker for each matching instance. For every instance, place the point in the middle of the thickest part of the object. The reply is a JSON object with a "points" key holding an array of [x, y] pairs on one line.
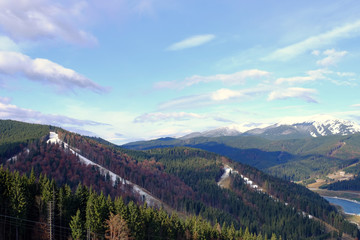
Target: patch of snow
{"points": [[15, 158], [53, 138], [313, 134], [229, 170], [319, 128], [225, 175]]}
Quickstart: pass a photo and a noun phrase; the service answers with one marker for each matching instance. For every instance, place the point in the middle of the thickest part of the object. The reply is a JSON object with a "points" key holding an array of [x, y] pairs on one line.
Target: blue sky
{"points": [[130, 70]]}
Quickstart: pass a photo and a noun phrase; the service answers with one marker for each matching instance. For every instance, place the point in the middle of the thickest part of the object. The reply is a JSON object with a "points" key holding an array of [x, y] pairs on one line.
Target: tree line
{"points": [[26, 203]]}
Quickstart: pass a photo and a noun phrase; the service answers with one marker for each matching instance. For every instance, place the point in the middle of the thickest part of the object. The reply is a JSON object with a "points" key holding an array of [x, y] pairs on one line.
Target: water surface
{"points": [[349, 206]]}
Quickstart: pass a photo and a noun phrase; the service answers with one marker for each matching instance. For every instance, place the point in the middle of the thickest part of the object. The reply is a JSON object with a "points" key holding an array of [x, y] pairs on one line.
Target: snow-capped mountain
{"points": [[315, 126], [300, 127]]}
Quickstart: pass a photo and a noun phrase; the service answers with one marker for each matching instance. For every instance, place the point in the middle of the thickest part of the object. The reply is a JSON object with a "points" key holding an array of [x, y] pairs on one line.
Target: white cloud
{"points": [[302, 93], [299, 119], [43, 19], [190, 42], [246, 126], [176, 116], [344, 83], [323, 39], [43, 70], [356, 105], [333, 57], [159, 116], [186, 102], [311, 76], [225, 94], [215, 97], [10, 111], [232, 79], [346, 74]]}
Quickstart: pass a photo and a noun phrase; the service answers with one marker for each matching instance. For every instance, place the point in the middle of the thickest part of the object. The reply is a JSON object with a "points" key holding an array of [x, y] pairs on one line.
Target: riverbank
{"points": [[351, 196], [348, 195]]}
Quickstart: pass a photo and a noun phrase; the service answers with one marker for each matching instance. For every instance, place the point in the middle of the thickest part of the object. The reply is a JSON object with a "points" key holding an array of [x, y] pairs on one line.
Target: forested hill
{"points": [[294, 159], [181, 180], [26, 202], [14, 135]]}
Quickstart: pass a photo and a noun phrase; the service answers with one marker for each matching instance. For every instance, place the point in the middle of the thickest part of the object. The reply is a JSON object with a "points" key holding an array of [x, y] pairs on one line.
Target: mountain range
{"points": [[296, 150], [181, 180], [314, 126]]}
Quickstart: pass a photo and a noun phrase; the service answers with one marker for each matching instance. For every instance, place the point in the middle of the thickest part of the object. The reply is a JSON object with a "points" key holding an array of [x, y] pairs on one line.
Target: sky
{"points": [[128, 70]]}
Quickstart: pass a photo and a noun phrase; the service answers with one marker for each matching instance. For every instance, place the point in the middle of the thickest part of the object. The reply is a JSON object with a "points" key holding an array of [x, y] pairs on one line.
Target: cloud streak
{"points": [[45, 71], [176, 116], [301, 93], [10, 111], [231, 79], [159, 116], [312, 75], [216, 97], [191, 42], [323, 39], [332, 57], [43, 19]]}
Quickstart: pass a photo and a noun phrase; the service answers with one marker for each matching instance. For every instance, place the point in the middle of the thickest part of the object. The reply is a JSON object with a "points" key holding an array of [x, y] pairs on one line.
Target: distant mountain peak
{"points": [[314, 126], [294, 127]]}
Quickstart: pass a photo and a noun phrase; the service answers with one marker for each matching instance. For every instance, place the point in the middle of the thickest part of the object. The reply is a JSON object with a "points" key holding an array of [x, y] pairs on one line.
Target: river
{"points": [[349, 206]]}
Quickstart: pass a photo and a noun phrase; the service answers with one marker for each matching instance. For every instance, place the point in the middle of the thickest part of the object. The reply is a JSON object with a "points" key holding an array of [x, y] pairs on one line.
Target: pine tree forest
{"points": [[36, 208]]}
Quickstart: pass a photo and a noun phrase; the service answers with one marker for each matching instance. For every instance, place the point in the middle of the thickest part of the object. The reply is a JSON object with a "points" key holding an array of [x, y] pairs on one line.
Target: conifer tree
{"points": [[273, 237], [135, 221], [93, 221], [121, 208], [81, 198], [77, 226], [18, 201]]}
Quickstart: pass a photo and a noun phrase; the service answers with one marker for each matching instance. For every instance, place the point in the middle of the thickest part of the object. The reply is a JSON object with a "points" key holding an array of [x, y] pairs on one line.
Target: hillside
{"points": [[182, 180], [295, 159], [15, 134], [26, 203]]}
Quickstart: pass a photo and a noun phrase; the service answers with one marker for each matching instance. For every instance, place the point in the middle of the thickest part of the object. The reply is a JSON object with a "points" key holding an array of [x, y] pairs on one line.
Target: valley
{"points": [[320, 160], [183, 181]]}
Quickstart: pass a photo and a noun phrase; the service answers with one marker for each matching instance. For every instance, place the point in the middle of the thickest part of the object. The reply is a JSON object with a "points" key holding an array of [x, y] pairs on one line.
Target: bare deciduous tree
{"points": [[117, 228]]}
